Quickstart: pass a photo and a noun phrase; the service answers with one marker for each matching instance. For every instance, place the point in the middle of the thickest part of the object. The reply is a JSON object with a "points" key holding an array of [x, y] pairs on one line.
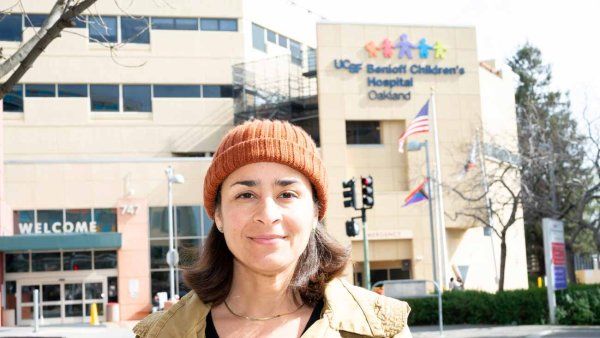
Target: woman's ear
{"points": [[218, 219]]}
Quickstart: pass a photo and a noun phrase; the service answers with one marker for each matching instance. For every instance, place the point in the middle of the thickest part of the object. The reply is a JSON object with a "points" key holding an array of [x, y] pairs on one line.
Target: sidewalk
{"points": [[524, 331], [112, 330]]}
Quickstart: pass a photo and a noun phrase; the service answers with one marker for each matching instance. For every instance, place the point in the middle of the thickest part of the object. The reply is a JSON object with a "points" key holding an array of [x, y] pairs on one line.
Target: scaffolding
{"points": [[277, 88]]}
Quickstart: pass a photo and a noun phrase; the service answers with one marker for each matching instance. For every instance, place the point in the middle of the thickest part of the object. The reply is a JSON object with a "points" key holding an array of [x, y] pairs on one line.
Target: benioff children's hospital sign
{"points": [[395, 80]]}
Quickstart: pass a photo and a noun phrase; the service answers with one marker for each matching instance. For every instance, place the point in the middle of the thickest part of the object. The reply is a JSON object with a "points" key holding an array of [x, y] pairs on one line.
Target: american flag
{"points": [[419, 125]]}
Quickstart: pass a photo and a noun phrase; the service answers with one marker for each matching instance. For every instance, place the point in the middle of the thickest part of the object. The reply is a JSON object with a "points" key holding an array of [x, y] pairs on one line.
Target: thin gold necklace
{"points": [[261, 318]]}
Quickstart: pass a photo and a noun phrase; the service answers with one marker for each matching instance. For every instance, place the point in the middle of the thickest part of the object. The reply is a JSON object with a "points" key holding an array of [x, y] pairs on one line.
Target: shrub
{"points": [[578, 305]]}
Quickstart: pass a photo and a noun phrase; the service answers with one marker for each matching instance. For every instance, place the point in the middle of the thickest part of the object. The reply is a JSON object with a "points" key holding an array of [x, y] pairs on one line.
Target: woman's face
{"points": [[267, 214]]}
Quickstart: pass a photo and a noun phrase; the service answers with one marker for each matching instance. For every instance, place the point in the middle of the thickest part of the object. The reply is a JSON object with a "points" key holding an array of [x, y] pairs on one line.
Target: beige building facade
{"points": [[90, 129]]}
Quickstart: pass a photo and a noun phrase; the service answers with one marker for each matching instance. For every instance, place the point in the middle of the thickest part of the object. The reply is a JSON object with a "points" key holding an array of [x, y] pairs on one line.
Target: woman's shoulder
{"points": [[182, 318], [383, 315]]}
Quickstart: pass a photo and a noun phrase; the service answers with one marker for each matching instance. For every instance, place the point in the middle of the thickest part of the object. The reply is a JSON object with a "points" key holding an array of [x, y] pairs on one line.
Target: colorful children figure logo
{"points": [[404, 48]]}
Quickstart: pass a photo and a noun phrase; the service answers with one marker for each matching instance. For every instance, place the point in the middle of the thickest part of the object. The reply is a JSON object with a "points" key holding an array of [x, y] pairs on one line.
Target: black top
{"points": [[211, 331]]}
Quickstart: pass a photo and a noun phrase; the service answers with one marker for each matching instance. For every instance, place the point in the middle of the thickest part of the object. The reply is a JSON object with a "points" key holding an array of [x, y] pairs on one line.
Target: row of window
{"points": [[363, 132], [60, 261], [105, 28], [191, 226], [104, 218], [261, 35], [113, 98]]}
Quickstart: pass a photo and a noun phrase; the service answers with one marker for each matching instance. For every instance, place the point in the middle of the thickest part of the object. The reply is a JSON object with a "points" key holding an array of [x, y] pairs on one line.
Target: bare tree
{"points": [[505, 196], [62, 15]]}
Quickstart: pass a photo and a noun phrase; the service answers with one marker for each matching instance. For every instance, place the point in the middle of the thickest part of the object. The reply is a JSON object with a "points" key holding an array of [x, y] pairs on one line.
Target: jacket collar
{"points": [[353, 309]]}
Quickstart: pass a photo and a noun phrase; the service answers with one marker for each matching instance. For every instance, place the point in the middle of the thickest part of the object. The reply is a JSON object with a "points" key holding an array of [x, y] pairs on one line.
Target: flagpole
{"points": [[433, 236], [440, 197], [488, 202]]}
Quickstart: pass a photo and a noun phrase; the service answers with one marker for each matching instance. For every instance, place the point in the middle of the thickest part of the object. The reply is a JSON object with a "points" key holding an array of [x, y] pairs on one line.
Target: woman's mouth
{"points": [[267, 239]]}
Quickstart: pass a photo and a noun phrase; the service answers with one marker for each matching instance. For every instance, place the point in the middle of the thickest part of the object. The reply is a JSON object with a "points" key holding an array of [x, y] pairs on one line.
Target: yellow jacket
{"points": [[349, 311]]}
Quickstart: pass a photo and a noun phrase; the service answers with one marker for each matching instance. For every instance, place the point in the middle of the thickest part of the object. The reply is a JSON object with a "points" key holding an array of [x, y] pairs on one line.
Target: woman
{"points": [[268, 267]]}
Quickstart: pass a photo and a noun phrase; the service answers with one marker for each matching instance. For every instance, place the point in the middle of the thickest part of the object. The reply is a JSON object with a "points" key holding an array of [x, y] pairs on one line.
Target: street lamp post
{"points": [[172, 255]]}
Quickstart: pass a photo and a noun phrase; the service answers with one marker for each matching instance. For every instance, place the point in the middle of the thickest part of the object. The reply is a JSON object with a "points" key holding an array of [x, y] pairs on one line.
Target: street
{"points": [[524, 331]]}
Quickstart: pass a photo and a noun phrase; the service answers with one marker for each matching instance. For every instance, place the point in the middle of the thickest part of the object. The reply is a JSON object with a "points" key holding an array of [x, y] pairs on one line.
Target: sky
{"points": [[566, 32]]}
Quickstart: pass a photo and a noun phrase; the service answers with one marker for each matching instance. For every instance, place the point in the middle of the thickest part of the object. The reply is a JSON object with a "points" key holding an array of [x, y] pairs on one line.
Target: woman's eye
{"points": [[288, 194], [245, 195]]}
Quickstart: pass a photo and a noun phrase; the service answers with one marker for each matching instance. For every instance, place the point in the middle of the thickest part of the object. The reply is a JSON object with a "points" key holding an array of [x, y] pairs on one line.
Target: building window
{"points": [[105, 260], [106, 219], [363, 132], [184, 24], [135, 30], [283, 41], [72, 90], [17, 262], [103, 28], [13, 100], [137, 98], [49, 216], [228, 25], [34, 20], [217, 91], [77, 260], [11, 27], [40, 90], [176, 90], [271, 36], [79, 215], [258, 38], [45, 261], [296, 50], [104, 98], [191, 225]]}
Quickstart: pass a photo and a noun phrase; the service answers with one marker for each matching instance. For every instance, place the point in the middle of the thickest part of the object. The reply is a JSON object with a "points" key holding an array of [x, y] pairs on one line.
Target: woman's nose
{"points": [[268, 212]]}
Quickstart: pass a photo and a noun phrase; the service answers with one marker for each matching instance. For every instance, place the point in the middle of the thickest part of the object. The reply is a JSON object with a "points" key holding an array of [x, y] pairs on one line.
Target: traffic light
{"points": [[351, 228], [367, 191], [349, 200]]}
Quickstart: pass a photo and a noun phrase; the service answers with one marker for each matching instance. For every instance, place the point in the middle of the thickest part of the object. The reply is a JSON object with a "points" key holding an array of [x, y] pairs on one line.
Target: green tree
{"points": [[556, 176]]}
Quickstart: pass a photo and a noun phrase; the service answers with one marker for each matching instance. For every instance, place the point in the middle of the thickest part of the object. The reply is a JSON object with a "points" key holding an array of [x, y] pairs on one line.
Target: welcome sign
{"points": [[30, 228], [394, 81]]}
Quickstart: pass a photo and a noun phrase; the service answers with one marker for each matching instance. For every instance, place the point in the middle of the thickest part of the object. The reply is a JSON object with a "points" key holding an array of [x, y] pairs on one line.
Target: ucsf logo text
{"points": [[346, 64]]}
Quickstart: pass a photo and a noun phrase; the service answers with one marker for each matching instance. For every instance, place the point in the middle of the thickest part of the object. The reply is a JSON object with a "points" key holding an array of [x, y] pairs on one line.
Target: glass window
{"points": [[113, 289], [10, 27], [228, 25], [106, 219], [79, 215], [50, 217], [363, 132], [159, 218], [77, 260], [399, 274], [258, 38], [104, 98], [176, 90], [135, 30], [40, 90], [159, 282], [175, 23], [103, 28], [17, 262], [23, 221], [72, 90], [51, 311], [271, 36], [93, 291], [211, 91], [158, 253], [188, 221], [183, 289], [27, 293], [137, 98], [99, 307], [73, 310], [45, 261], [226, 91], [207, 223], [105, 259], [283, 41], [188, 250], [34, 20], [209, 24], [11, 294], [79, 21], [73, 291], [13, 100], [296, 49], [50, 292]]}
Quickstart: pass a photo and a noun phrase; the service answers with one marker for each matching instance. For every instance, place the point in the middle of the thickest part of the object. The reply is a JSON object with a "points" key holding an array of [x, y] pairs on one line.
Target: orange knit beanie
{"points": [[265, 141]]}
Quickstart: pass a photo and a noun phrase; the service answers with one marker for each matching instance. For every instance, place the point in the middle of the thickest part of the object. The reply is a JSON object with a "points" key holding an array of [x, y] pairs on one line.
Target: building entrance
{"points": [[61, 302]]}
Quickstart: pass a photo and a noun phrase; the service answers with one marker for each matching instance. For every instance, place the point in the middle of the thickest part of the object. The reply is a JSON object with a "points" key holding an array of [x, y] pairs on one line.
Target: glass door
{"points": [[50, 303]]}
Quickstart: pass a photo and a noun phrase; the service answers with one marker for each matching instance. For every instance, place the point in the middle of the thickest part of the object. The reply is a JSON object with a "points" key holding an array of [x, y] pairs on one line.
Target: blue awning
{"points": [[99, 240]]}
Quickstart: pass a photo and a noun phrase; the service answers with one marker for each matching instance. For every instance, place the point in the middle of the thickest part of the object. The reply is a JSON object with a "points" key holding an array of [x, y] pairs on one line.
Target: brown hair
{"points": [[323, 259]]}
